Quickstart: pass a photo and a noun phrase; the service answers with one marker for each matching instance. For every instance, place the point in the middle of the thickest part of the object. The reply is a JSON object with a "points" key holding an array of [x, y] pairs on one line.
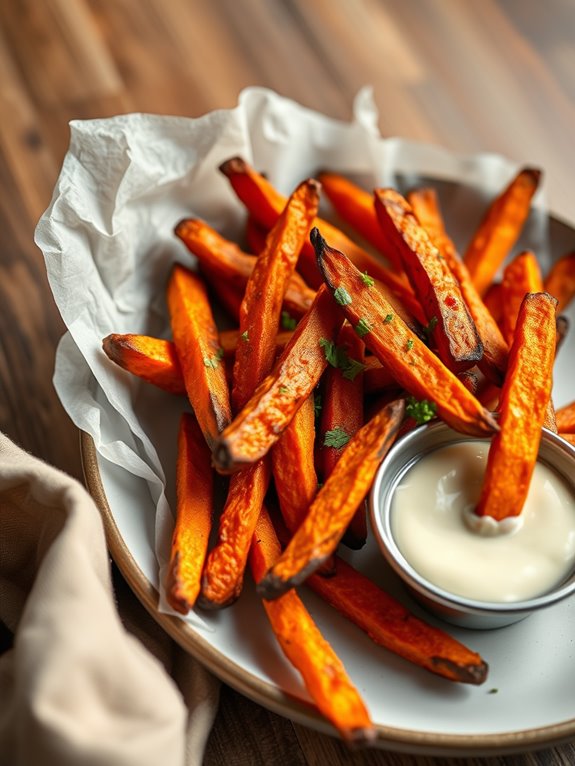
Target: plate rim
{"points": [[271, 696]]}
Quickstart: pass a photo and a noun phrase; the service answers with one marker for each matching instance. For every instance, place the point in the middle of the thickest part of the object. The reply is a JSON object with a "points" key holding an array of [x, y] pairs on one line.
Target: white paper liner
{"points": [[108, 241]]}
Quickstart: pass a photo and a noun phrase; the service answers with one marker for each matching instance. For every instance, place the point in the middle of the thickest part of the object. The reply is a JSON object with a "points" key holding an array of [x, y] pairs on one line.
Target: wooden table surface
{"points": [[495, 76]]}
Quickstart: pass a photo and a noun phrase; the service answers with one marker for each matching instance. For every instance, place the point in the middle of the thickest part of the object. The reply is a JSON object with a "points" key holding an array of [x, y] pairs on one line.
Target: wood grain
{"points": [[496, 76]]}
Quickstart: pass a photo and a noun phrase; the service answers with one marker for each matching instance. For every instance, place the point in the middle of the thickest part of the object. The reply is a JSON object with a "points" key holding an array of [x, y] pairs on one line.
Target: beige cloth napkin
{"points": [[76, 687]]}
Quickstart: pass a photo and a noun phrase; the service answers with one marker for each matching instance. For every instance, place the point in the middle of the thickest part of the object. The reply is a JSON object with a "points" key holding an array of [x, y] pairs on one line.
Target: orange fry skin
{"points": [[568, 438], [326, 521], [493, 364], [198, 348], [261, 307], [293, 466], [500, 228], [194, 504], [355, 206], [264, 204], [414, 367], [228, 267], [524, 399], [152, 359], [560, 281], [389, 624], [521, 276], [322, 671], [258, 426], [455, 334], [566, 419]]}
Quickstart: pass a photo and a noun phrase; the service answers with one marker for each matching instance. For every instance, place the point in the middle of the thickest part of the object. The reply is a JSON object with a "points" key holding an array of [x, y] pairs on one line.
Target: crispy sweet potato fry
{"points": [[500, 228], [318, 535], [524, 398], [198, 347], [194, 504], [267, 284], [355, 206], [521, 276], [152, 359], [560, 281], [259, 424], [227, 266], [323, 673], [341, 418], [454, 331], [414, 366], [293, 466], [264, 203], [389, 624], [255, 235], [376, 376], [568, 438], [566, 419], [259, 319], [492, 300], [493, 363]]}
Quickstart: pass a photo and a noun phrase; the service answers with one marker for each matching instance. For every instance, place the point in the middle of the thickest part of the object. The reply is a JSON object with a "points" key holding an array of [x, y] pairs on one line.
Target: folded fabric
{"points": [[76, 687]]}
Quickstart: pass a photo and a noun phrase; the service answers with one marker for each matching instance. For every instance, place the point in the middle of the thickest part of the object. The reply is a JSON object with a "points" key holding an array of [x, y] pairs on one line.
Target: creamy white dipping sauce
{"points": [[519, 559]]}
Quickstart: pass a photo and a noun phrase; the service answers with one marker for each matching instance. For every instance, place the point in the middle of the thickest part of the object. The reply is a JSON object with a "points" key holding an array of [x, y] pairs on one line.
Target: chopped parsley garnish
{"points": [[409, 344], [244, 336], [342, 296], [421, 411], [337, 356], [213, 361], [283, 389], [493, 691], [367, 280], [317, 404], [287, 321], [336, 438], [362, 328], [388, 318]]}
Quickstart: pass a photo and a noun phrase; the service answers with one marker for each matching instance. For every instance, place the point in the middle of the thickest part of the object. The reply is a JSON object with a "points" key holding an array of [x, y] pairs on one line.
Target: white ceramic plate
{"points": [[526, 702]]}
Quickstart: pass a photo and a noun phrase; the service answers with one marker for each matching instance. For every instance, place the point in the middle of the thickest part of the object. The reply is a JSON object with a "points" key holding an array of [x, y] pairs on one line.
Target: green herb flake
{"points": [[367, 280], [352, 369], [244, 336], [329, 350], [362, 327], [336, 438], [213, 361], [421, 411], [337, 357], [317, 404], [284, 390], [409, 344], [287, 321], [493, 691], [342, 296], [388, 319]]}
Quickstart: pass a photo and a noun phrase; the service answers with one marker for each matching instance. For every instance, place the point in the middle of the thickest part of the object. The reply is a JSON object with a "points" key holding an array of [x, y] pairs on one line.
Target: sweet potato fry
{"points": [[267, 284], [560, 281], [255, 235], [500, 228], [152, 359], [492, 300], [454, 331], [566, 419], [521, 276], [413, 365], [258, 426], [198, 348], [524, 398], [376, 376], [568, 438], [264, 203], [228, 267], [389, 624], [562, 330], [341, 418], [259, 319], [194, 504], [323, 673], [293, 466], [355, 206], [318, 535], [495, 350]]}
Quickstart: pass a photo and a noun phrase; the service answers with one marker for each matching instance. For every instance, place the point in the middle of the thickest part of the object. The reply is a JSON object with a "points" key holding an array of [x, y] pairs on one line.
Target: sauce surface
{"points": [[521, 559]]}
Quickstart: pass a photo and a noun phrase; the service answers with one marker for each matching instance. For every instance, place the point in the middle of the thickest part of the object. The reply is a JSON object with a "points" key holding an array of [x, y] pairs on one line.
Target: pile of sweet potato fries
{"points": [[338, 348]]}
